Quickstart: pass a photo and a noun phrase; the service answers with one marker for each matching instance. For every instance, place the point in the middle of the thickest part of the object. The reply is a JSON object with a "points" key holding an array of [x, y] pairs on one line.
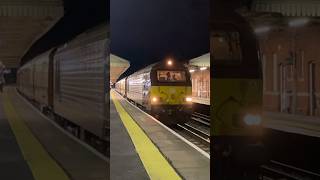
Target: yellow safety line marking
{"points": [[154, 162], [43, 167]]}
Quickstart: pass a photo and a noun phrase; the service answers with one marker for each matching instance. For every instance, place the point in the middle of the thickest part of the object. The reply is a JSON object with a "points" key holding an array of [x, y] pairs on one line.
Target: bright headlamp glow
{"points": [[188, 99], [169, 62], [191, 70], [154, 99], [251, 119], [203, 68]]}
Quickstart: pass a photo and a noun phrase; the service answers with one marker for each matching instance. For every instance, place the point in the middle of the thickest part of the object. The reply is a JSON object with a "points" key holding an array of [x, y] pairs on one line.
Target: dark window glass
{"points": [[226, 47], [171, 76]]}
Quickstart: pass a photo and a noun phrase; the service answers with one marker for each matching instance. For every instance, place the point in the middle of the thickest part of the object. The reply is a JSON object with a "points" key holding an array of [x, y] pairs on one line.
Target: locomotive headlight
{"points": [[154, 99], [188, 99], [251, 119]]}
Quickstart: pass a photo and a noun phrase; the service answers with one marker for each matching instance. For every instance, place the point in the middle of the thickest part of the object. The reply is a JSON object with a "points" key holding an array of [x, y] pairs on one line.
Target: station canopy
{"points": [[22, 22], [201, 61], [307, 8], [118, 66]]}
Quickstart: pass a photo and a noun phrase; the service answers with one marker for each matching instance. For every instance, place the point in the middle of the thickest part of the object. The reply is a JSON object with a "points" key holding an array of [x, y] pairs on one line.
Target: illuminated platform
{"points": [[297, 124], [160, 153], [33, 147], [205, 101]]}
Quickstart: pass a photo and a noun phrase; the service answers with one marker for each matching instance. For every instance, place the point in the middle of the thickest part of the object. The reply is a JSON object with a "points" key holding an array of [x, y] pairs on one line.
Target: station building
{"points": [[289, 41], [118, 66], [200, 75]]}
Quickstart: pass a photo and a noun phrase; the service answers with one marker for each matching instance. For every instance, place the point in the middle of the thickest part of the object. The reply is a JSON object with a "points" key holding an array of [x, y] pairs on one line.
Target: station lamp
{"points": [[298, 22], [203, 68], [262, 29], [169, 62]]}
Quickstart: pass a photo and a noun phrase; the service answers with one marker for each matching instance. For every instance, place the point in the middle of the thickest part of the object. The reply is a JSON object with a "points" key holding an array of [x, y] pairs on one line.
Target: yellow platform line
{"points": [[156, 165], [42, 166]]}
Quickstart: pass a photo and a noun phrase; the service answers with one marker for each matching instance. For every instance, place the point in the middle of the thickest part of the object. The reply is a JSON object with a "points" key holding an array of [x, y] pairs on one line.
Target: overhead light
{"points": [[169, 62], [298, 22], [203, 68], [262, 29], [191, 70]]}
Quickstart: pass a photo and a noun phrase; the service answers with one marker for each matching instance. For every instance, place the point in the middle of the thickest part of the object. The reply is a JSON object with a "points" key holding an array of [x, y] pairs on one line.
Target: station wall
{"points": [[291, 68]]}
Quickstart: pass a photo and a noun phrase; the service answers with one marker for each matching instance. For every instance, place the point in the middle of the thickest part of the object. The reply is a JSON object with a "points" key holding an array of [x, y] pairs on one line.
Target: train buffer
{"points": [[32, 147], [148, 149]]}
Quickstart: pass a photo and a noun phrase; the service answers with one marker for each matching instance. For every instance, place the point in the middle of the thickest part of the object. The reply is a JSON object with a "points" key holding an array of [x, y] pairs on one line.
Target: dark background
{"points": [[144, 31]]}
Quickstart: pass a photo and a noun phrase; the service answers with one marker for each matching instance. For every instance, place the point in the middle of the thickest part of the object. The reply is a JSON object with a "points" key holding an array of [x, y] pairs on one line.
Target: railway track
{"points": [[275, 170], [201, 118], [197, 131]]}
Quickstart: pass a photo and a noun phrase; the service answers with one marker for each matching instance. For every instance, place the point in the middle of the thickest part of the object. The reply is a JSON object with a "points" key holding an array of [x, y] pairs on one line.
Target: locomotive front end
{"points": [[171, 92]]}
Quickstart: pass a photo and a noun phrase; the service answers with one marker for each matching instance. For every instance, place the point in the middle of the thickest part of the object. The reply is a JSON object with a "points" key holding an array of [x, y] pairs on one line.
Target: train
{"points": [[163, 89], [236, 94], [69, 82]]}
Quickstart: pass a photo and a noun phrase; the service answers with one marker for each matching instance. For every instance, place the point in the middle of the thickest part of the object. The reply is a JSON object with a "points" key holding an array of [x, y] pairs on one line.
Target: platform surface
{"points": [[205, 101], [72, 158], [13, 165], [186, 160], [297, 124], [125, 161]]}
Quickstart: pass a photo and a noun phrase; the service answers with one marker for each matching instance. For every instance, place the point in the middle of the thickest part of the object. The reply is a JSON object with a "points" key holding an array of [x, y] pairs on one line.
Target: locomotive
{"points": [[236, 94], [163, 89]]}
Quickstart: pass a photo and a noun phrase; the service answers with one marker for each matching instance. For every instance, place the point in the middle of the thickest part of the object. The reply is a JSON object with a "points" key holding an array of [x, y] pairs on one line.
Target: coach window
{"points": [[171, 76], [301, 65], [226, 47], [275, 72]]}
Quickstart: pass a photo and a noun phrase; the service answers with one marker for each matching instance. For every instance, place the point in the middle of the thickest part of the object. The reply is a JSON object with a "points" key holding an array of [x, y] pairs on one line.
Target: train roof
{"points": [[100, 32]]}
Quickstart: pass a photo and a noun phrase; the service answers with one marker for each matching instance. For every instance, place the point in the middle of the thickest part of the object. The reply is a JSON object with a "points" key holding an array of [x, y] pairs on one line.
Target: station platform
{"points": [[32, 147], [148, 149], [204, 101], [297, 124]]}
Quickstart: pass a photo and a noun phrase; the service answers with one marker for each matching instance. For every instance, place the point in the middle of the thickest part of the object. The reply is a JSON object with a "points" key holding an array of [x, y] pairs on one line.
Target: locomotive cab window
{"points": [[226, 47], [171, 76]]}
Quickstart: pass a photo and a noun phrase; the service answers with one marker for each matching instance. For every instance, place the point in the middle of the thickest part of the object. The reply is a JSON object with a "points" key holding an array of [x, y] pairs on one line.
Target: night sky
{"points": [[80, 15], [142, 31], [146, 31]]}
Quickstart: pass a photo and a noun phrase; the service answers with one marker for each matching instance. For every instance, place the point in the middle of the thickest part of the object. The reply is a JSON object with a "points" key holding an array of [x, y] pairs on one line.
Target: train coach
{"points": [[163, 89], [120, 86], [69, 82]]}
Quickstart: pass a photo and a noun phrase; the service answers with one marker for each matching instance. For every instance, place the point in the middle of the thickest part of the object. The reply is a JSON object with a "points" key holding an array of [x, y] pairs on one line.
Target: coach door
{"points": [[282, 88], [312, 89], [285, 92]]}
